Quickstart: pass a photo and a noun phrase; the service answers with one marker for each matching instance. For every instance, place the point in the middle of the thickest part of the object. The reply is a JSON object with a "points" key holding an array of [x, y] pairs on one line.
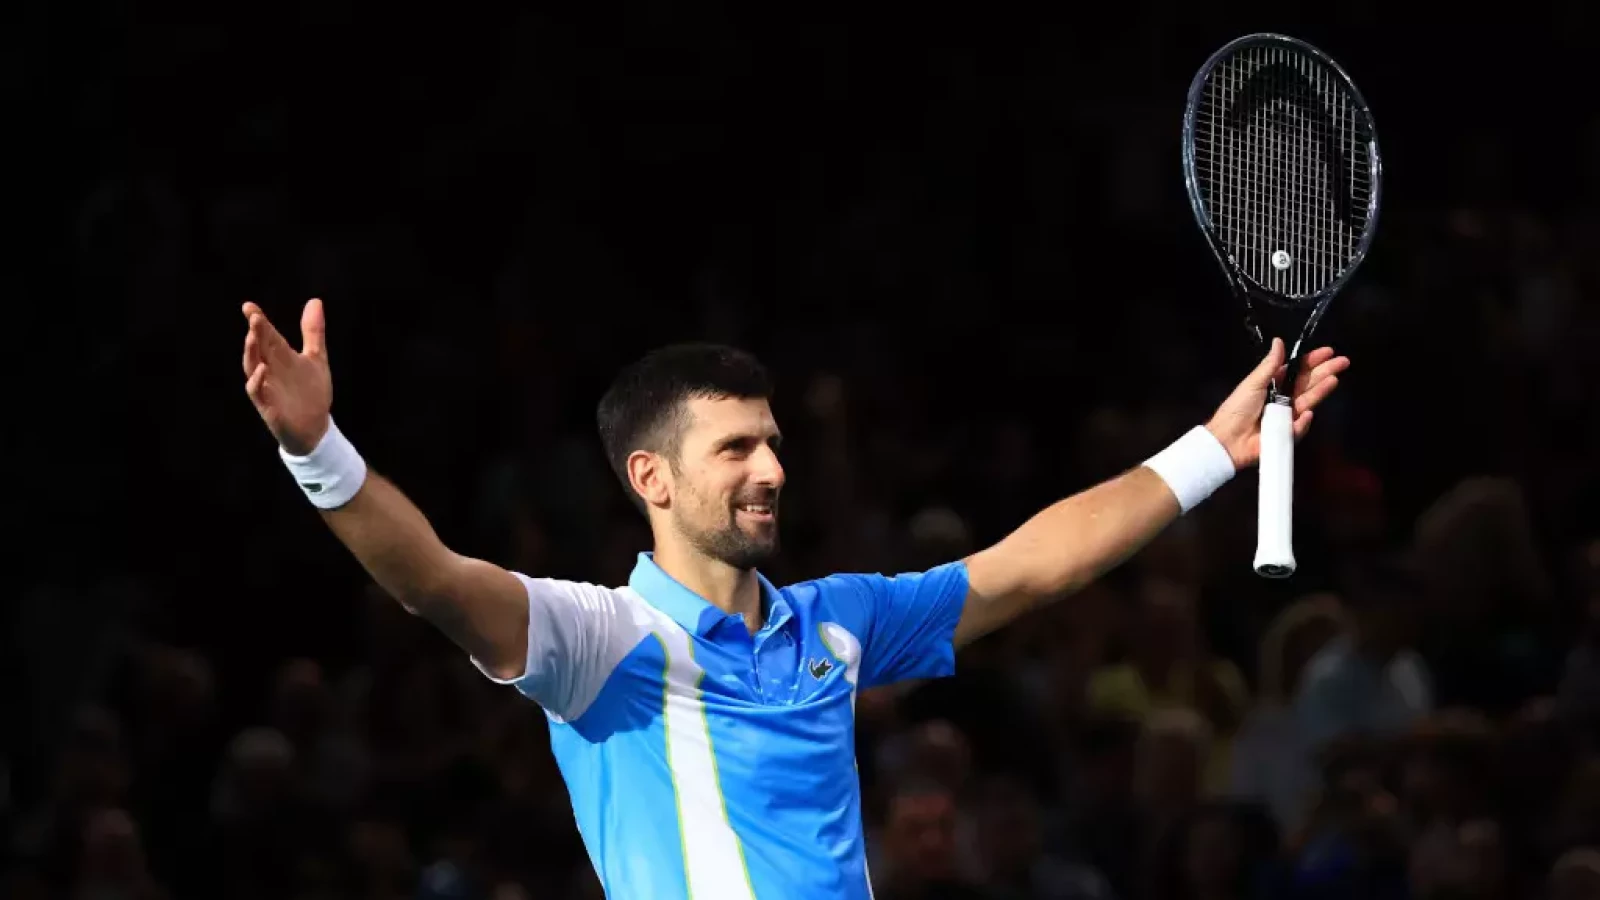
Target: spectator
{"points": [[1170, 668], [1368, 681], [1269, 762], [919, 854], [1016, 865], [1576, 875], [1217, 852]]}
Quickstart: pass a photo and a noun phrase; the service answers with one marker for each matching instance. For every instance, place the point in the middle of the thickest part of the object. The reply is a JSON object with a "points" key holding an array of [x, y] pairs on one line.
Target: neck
{"points": [[734, 591]]}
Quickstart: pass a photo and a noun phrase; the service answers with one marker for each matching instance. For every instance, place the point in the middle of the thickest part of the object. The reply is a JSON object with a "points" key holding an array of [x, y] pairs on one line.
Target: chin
{"points": [[753, 555]]}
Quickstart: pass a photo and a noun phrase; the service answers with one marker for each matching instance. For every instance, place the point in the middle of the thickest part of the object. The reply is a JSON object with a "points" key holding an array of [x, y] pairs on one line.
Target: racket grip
{"points": [[1275, 515]]}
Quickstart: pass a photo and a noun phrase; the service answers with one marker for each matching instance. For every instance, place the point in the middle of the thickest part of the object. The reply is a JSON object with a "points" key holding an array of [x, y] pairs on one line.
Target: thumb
{"points": [[313, 330], [1264, 371]]}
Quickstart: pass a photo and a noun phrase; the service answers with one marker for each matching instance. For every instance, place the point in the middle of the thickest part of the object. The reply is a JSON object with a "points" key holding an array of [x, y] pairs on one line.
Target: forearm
{"points": [[478, 605], [1078, 539], [386, 532], [394, 542]]}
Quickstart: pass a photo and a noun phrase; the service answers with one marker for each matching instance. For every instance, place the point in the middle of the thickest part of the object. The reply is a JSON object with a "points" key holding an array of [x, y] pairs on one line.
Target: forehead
{"points": [[710, 419]]}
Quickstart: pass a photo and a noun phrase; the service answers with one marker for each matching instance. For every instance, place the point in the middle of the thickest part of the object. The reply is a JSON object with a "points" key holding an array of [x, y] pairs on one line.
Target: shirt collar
{"points": [[689, 609]]}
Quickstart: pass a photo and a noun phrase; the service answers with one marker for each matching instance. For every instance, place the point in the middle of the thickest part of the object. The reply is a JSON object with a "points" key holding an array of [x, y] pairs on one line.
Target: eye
{"points": [[737, 447], [743, 446]]}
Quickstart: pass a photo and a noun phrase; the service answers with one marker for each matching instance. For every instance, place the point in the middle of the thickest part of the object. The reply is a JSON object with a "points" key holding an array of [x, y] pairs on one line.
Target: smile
{"points": [[757, 511]]}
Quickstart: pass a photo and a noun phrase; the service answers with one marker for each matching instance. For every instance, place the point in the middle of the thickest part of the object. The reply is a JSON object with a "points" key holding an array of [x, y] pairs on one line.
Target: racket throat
{"points": [[1264, 321], [1283, 391]]}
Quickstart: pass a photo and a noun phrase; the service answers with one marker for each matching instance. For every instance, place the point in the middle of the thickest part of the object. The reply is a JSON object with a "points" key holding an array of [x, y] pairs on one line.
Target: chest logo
{"points": [[820, 668]]}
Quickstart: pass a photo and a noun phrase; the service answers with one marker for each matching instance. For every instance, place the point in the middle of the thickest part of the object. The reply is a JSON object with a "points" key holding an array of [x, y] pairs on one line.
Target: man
{"points": [[702, 718]]}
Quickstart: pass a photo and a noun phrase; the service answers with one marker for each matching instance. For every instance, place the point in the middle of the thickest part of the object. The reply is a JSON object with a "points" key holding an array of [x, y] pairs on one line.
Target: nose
{"points": [[768, 471]]}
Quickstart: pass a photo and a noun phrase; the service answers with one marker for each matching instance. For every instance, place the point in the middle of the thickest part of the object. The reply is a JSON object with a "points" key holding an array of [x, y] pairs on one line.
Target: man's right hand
{"points": [[292, 390]]}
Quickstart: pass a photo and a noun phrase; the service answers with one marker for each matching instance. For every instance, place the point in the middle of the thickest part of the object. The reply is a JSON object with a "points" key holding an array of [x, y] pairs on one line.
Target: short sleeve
{"points": [[577, 636], [910, 622]]}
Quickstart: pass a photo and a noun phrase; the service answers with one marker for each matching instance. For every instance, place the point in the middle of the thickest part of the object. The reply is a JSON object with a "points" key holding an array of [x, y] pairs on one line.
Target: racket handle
{"points": [[1275, 516]]}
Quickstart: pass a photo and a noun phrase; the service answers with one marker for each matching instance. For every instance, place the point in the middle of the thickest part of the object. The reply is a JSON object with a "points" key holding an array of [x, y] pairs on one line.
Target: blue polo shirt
{"points": [[704, 761]]}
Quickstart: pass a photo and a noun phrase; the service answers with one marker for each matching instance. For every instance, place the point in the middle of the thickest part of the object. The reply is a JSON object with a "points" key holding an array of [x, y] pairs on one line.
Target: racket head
{"points": [[1282, 168]]}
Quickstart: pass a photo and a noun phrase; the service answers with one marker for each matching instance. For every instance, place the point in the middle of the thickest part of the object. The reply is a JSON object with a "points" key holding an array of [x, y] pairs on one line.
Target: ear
{"points": [[650, 477]]}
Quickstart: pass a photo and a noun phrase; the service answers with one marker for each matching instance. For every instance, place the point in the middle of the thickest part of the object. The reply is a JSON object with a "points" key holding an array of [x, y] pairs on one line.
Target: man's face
{"points": [[725, 479]]}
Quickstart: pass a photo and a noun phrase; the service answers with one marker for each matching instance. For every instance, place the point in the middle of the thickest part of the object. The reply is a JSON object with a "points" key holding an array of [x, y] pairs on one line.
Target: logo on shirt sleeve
{"points": [[820, 667]]}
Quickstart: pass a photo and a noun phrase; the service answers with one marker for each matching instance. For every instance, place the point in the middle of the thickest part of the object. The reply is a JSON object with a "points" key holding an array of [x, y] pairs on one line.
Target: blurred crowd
{"points": [[1416, 718], [223, 709]]}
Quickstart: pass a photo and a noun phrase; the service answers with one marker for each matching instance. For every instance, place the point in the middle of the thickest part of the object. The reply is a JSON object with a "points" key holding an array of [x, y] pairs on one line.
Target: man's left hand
{"points": [[1237, 422]]}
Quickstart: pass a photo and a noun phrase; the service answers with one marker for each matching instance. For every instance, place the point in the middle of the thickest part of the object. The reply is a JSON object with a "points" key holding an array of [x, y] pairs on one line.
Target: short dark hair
{"points": [[644, 407]]}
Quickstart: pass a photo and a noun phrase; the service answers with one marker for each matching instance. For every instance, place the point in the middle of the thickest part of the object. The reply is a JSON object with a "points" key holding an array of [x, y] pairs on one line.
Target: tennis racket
{"points": [[1281, 164]]}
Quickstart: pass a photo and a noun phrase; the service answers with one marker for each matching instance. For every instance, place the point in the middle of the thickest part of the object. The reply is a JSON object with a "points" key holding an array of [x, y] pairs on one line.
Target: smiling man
{"points": [[703, 718]]}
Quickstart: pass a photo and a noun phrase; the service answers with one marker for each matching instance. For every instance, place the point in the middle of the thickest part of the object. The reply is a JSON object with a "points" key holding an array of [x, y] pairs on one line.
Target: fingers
{"points": [[313, 330], [270, 345], [1316, 358], [252, 353], [1319, 376], [1302, 424], [1310, 398], [253, 386], [1269, 366], [1317, 365]]}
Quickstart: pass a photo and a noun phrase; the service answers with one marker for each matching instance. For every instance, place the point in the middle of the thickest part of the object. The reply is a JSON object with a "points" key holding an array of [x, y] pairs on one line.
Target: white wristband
{"points": [[1193, 466], [331, 473]]}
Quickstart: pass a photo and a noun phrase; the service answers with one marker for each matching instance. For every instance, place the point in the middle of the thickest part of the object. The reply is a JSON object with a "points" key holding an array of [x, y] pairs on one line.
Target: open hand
{"points": [[1237, 422], [292, 390]]}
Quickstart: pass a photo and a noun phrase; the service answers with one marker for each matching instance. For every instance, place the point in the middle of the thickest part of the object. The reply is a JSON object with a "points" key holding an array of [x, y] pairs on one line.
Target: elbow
{"points": [[415, 604], [504, 671], [418, 603], [420, 597], [1050, 584]]}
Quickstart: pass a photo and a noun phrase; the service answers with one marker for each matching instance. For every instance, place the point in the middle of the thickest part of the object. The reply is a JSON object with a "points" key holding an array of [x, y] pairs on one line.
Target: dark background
{"points": [[959, 238]]}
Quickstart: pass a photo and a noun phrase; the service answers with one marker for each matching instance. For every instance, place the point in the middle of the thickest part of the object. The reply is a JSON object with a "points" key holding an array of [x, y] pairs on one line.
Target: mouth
{"points": [[756, 512]]}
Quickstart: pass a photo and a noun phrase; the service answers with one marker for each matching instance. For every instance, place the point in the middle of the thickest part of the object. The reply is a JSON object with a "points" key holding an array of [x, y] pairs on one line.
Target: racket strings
{"points": [[1282, 158]]}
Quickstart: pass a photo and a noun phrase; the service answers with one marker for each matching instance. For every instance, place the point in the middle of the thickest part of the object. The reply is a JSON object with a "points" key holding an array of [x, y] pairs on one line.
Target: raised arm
{"points": [[1086, 535], [478, 605]]}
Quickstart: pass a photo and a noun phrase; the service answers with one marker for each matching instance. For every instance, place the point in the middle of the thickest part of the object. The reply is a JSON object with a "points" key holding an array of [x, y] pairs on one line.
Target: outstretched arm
{"points": [[1080, 538], [478, 605]]}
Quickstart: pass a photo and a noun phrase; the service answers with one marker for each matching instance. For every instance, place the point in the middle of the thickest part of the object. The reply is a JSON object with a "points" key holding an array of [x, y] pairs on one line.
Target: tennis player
{"points": [[703, 718]]}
